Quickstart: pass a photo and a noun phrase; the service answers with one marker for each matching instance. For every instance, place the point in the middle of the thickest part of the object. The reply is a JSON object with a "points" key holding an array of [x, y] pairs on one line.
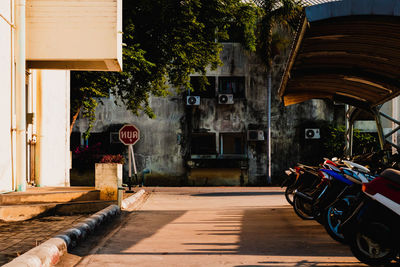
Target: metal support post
{"points": [[381, 134], [350, 114], [134, 165], [130, 169], [269, 127], [395, 115]]}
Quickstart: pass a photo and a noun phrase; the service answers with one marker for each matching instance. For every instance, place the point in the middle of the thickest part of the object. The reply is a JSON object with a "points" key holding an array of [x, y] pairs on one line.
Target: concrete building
{"points": [[217, 136], [40, 42], [344, 51]]}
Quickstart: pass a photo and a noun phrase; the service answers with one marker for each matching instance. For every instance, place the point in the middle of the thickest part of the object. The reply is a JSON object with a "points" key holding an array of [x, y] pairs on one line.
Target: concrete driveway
{"points": [[218, 227]]}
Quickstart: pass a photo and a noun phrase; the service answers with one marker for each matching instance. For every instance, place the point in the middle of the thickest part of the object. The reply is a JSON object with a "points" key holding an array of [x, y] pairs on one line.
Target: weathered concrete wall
{"points": [[246, 113], [159, 148], [289, 145], [164, 147]]}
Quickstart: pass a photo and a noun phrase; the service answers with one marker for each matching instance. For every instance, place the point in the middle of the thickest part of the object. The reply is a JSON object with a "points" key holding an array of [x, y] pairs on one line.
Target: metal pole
{"points": [[381, 135], [395, 115], [348, 132], [130, 169], [269, 128], [134, 165], [379, 127], [350, 117]]}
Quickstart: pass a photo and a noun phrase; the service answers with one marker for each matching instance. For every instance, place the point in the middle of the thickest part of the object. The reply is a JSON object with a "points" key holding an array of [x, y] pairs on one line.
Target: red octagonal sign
{"points": [[129, 134]]}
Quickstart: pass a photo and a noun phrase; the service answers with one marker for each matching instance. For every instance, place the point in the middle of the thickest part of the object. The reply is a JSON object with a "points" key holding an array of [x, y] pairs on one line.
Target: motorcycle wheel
{"points": [[289, 194], [302, 208], [368, 251], [332, 218]]}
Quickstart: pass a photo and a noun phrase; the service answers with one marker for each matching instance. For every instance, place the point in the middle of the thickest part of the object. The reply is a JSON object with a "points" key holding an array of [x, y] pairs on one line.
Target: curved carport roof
{"points": [[347, 51]]}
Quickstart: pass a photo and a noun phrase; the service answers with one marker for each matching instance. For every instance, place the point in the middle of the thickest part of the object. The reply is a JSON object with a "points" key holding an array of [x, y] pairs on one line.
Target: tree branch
{"points": [[74, 120]]}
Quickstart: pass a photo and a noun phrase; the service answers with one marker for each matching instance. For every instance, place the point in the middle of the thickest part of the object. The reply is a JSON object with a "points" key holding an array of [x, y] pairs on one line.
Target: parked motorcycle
{"points": [[332, 216], [309, 200], [299, 177], [328, 201], [372, 227], [355, 205]]}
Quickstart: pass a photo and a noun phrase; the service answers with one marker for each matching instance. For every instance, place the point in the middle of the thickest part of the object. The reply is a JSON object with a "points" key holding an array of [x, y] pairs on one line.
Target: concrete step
{"points": [[82, 207], [13, 213], [48, 196]]}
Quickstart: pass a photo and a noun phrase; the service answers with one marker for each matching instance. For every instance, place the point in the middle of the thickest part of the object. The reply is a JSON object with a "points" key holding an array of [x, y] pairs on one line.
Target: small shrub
{"points": [[84, 157], [362, 142], [113, 159]]}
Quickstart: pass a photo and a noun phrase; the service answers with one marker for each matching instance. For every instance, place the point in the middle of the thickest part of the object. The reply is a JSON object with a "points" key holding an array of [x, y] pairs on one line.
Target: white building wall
{"points": [[53, 128], [5, 98], [52, 88]]}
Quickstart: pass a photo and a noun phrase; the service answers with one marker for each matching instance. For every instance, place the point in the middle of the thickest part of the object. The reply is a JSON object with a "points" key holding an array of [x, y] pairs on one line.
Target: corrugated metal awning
{"points": [[347, 51]]}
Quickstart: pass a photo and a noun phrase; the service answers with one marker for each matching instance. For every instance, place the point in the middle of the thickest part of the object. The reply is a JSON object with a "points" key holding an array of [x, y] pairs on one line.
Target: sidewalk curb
{"points": [[132, 199], [50, 252]]}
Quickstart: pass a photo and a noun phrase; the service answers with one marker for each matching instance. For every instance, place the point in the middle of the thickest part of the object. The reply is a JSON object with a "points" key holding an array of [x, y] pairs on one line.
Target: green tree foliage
{"points": [[276, 14], [165, 41], [362, 142]]}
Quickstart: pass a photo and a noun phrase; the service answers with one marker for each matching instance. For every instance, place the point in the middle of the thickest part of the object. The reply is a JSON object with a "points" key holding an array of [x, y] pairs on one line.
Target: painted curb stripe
{"points": [[50, 252]]}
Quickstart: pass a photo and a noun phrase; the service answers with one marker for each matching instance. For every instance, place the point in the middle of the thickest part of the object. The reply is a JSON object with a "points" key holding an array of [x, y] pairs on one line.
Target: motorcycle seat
{"points": [[392, 175]]}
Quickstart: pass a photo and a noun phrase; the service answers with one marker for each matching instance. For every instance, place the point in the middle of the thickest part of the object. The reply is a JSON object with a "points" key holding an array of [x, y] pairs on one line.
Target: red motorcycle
{"points": [[372, 227]]}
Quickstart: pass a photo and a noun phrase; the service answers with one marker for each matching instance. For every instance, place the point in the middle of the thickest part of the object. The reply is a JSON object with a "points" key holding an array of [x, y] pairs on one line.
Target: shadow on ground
{"points": [[237, 194], [144, 228], [268, 232]]}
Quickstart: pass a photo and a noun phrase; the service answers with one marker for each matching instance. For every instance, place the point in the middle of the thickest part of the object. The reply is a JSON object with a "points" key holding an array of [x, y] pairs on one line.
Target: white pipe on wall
{"points": [[269, 164], [38, 124], [67, 128], [6, 20], [13, 117], [20, 95]]}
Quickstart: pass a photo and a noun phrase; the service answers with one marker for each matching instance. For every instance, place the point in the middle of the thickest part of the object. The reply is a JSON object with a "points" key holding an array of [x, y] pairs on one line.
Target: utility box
{"points": [[74, 35], [108, 178]]}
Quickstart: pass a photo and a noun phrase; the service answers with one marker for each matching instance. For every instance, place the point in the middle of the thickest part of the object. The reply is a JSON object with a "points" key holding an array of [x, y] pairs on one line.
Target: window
{"points": [[232, 143], [208, 91], [114, 138], [203, 144], [232, 85]]}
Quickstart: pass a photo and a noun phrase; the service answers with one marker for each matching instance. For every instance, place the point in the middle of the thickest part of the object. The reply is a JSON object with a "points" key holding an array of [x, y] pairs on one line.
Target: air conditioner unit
{"points": [[312, 134], [255, 135], [225, 99], [192, 100]]}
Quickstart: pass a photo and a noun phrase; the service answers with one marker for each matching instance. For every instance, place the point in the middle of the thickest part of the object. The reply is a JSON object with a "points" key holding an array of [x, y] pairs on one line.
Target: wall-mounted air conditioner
{"points": [[192, 100], [255, 135], [312, 133], [225, 99]]}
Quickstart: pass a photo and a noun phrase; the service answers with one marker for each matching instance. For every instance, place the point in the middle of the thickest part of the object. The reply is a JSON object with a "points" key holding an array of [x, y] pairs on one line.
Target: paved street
{"points": [[217, 227]]}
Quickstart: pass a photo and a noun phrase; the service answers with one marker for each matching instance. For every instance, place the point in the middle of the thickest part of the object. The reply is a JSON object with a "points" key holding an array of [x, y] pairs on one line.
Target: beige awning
{"points": [[75, 35]]}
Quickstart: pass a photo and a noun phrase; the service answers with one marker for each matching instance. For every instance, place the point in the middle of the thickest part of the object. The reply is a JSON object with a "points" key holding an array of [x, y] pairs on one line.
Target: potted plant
{"points": [[108, 176]]}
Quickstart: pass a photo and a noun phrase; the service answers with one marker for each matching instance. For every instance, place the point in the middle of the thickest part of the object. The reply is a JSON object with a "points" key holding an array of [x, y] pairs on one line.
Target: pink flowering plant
{"points": [[84, 157], [113, 159]]}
